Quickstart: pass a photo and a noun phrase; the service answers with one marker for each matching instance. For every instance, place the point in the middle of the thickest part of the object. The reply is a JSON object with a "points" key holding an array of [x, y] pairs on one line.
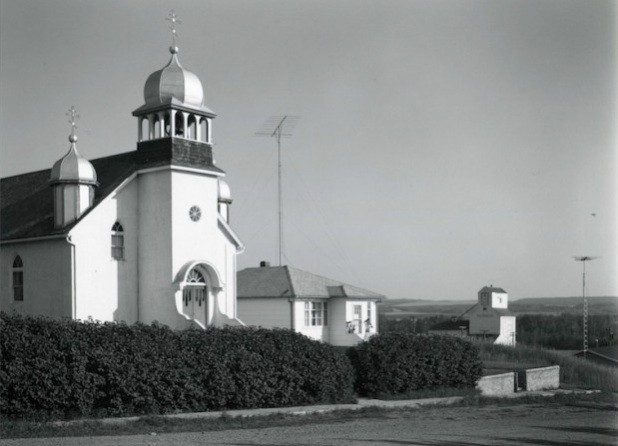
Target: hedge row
{"points": [[52, 369], [56, 369], [399, 363]]}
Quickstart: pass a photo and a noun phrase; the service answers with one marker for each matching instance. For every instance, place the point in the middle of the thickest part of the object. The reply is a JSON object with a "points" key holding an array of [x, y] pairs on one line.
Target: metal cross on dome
{"points": [[173, 18], [72, 113]]}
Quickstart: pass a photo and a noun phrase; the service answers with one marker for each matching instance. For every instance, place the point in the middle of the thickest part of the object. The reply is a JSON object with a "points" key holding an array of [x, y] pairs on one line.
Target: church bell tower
{"points": [[174, 125]]}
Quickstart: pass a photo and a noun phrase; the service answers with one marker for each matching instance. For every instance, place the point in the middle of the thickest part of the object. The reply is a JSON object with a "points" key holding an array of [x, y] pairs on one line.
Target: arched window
{"points": [[157, 127], [179, 124], [204, 130], [117, 242], [18, 279], [194, 292], [192, 127], [167, 126]]}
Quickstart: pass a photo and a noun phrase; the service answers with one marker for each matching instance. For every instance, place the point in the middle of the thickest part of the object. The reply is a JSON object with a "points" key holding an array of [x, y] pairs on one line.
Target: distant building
{"points": [[321, 308], [489, 319]]}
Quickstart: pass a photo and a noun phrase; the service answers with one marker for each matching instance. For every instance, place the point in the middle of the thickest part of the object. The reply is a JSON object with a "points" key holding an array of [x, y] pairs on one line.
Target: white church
{"points": [[140, 236]]}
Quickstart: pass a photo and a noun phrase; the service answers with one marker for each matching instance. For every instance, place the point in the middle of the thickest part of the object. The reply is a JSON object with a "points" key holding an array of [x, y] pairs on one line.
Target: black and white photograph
{"points": [[308, 222]]}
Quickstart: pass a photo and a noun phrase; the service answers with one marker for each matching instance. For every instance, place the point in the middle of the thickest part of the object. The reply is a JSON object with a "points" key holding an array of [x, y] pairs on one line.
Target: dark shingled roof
{"points": [[26, 201], [492, 289], [289, 282]]}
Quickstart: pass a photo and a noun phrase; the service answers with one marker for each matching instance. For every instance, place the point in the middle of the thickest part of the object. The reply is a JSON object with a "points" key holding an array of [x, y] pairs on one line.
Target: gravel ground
{"points": [[530, 424]]}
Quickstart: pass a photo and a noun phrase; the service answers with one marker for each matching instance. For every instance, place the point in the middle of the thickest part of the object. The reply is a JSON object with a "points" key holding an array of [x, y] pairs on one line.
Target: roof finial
{"points": [[72, 113], [173, 18]]}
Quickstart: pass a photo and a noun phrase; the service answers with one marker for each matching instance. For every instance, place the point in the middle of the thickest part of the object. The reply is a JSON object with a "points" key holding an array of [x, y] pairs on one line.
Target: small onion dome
{"points": [[73, 168], [173, 82], [225, 194]]}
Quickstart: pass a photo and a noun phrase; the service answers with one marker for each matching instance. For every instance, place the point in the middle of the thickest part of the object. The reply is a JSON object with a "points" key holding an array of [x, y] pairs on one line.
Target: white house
{"points": [[139, 236], [318, 307], [488, 319]]}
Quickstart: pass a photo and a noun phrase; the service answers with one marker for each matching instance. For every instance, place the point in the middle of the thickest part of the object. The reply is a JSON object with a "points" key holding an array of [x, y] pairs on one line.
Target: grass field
{"points": [[574, 372]]}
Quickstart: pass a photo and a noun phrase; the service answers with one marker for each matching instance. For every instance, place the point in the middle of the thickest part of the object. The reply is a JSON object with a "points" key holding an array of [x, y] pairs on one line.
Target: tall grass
{"points": [[574, 371]]}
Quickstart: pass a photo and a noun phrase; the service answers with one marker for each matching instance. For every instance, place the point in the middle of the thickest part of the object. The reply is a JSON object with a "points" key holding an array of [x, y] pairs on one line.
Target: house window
{"points": [[117, 242], [316, 314], [194, 294], [18, 279]]}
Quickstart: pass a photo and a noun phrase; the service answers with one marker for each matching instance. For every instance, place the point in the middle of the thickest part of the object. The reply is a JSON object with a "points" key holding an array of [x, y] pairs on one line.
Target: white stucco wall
{"points": [[507, 331], [155, 273], [107, 289], [499, 300], [47, 278], [344, 337], [274, 312], [203, 240]]}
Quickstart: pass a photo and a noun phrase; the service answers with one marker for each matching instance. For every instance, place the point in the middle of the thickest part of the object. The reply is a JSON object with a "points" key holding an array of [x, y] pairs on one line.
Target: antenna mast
{"points": [[274, 128], [585, 259]]}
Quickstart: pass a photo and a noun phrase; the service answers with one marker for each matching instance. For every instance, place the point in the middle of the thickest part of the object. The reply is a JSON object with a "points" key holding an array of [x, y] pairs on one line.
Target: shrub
{"points": [[398, 363], [56, 369]]}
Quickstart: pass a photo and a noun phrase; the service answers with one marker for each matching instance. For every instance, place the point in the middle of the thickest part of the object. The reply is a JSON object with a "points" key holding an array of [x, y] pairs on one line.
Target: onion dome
{"points": [[73, 168], [173, 82], [224, 192]]}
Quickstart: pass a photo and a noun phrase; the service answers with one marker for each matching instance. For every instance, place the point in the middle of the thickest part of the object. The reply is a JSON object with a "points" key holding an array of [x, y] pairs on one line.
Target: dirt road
{"points": [[530, 424]]}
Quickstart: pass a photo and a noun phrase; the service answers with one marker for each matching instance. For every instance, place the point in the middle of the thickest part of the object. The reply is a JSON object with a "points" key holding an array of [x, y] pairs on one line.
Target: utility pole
{"points": [[584, 259]]}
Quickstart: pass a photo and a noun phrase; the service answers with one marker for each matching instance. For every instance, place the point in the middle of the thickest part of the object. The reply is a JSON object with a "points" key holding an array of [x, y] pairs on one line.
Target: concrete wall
{"points": [[543, 378], [48, 282], [497, 385]]}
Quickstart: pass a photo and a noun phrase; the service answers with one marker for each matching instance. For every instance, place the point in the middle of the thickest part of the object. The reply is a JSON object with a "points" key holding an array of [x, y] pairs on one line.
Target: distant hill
{"points": [[402, 308]]}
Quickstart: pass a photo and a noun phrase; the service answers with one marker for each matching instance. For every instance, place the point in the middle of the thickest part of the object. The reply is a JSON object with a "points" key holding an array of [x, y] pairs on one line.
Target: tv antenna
{"points": [[585, 259], [279, 127]]}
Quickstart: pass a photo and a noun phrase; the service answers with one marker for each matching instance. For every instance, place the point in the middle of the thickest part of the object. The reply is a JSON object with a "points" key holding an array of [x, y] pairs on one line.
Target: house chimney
{"points": [[264, 264]]}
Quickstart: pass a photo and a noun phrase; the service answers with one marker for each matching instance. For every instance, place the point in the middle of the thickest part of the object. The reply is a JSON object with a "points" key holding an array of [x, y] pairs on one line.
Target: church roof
{"points": [[26, 201], [290, 282]]}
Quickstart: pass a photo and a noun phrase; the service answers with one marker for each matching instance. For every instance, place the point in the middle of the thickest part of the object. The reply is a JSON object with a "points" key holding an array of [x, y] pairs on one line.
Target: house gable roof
{"points": [[290, 282], [478, 307]]}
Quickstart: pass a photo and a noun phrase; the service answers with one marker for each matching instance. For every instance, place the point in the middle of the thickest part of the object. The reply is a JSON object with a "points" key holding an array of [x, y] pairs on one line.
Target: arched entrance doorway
{"points": [[197, 287], [195, 297]]}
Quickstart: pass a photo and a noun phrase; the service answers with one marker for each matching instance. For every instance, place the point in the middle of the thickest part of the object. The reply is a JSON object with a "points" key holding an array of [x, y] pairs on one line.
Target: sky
{"points": [[442, 145]]}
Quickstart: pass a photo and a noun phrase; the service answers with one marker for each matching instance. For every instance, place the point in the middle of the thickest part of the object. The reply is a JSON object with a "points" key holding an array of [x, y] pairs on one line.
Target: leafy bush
{"points": [[65, 368], [399, 363]]}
